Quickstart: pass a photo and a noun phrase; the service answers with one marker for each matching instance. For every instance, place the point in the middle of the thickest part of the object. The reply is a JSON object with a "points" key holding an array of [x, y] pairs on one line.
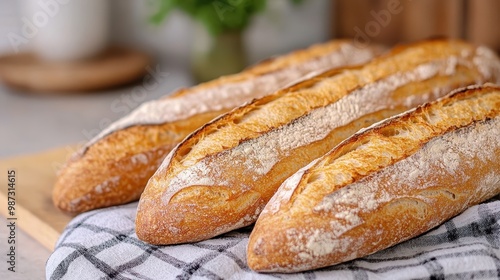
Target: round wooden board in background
{"points": [[116, 66]]}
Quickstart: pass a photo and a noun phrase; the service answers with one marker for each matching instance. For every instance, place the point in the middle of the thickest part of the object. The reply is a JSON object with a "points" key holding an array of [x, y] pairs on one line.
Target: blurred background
{"points": [[68, 68]]}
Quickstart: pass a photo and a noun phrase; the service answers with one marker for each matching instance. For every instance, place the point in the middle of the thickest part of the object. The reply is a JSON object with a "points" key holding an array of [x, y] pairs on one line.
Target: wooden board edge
{"points": [[46, 235]]}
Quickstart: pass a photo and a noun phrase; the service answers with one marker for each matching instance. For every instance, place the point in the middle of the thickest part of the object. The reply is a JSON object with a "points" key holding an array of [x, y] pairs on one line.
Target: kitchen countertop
{"points": [[33, 123]]}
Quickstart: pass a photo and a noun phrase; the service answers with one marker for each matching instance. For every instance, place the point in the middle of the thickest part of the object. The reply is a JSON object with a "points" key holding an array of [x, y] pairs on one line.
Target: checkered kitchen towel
{"points": [[102, 244]]}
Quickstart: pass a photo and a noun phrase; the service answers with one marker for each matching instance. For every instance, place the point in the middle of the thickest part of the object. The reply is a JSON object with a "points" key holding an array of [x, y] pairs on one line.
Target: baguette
{"points": [[113, 167], [220, 177], [383, 185]]}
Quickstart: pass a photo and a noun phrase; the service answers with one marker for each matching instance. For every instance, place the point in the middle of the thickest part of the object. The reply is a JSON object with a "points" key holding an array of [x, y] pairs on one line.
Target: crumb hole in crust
{"points": [[211, 131], [418, 207], [448, 104], [314, 177], [182, 153], [437, 192], [236, 120], [389, 132], [451, 195]]}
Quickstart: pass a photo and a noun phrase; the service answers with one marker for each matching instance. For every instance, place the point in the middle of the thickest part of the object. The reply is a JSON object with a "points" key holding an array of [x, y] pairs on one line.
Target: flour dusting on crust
{"points": [[229, 95], [320, 122], [442, 157], [487, 62], [259, 155]]}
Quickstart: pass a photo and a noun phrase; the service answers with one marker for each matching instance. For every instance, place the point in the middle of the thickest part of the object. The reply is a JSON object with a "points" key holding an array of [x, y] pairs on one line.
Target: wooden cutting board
{"points": [[35, 176]]}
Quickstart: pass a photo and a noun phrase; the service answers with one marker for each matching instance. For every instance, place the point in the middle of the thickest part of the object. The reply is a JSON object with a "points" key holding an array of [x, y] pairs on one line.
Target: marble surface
{"points": [[31, 123]]}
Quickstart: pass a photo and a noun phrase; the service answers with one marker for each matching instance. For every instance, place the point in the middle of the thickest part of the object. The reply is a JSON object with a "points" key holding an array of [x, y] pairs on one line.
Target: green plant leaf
{"points": [[217, 16]]}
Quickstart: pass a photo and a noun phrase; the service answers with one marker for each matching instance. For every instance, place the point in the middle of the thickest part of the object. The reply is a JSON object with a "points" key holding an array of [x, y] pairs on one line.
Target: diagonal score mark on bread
{"points": [[383, 185], [221, 176], [114, 167]]}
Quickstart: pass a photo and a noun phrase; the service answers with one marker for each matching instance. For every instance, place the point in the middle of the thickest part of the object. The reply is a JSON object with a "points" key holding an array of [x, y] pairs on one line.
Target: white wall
{"points": [[10, 21]]}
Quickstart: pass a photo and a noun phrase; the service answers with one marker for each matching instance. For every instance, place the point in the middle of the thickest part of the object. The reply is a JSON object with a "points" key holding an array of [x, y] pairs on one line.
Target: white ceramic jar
{"points": [[62, 30]]}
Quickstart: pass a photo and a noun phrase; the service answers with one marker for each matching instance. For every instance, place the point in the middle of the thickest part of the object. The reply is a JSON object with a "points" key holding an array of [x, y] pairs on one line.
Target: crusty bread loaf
{"points": [[220, 177], [113, 168], [383, 185]]}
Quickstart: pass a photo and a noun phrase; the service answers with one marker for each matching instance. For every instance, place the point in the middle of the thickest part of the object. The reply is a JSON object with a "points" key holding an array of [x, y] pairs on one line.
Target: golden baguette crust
{"points": [[383, 185], [113, 168], [220, 177]]}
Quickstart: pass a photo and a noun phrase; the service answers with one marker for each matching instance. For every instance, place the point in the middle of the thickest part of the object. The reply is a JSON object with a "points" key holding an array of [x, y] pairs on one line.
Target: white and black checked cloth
{"points": [[102, 245]]}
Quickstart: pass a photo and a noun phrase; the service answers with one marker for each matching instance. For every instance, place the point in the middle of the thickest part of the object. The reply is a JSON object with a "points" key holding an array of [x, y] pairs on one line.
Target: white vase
{"points": [[61, 30]]}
